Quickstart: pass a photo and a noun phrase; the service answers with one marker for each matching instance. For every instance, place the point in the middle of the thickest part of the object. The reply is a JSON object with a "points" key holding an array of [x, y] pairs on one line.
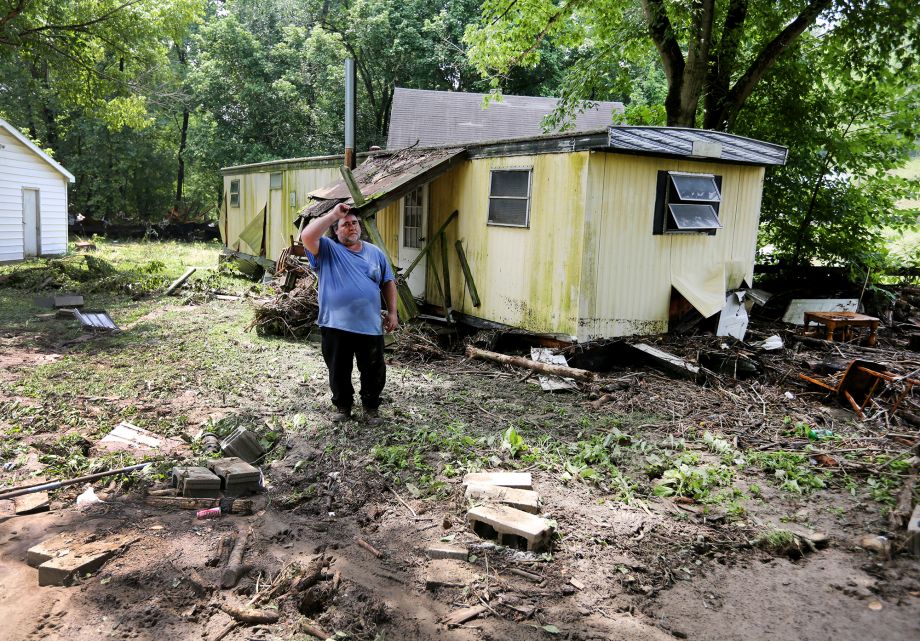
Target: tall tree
{"points": [[714, 53]]}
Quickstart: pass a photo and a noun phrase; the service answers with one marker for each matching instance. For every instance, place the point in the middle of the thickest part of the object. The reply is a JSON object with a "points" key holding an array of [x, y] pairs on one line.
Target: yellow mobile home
{"points": [[582, 235]]}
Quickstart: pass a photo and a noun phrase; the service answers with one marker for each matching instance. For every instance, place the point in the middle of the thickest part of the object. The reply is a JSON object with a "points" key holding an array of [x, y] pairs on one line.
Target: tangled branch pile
{"points": [[289, 314]]}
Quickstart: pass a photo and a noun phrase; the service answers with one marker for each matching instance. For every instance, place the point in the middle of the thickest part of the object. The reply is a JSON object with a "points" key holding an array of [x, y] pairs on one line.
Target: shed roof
{"points": [[32, 146], [695, 143], [433, 118]]}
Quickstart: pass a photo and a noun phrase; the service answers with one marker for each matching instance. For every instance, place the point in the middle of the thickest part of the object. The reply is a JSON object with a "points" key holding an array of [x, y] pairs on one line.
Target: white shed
{"points": [[33, 199]]}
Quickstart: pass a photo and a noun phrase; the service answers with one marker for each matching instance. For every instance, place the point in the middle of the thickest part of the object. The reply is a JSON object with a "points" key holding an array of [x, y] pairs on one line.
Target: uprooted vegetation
{"points": [[660, 489]]}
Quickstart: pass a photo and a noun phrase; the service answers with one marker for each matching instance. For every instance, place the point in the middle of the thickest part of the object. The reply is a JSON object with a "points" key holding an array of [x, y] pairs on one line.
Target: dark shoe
{"points": [[372, 418], [341, 415]]}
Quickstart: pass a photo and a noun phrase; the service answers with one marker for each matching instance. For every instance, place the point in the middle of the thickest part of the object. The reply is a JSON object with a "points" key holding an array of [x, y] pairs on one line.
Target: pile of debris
{"points": [[289, 314]]}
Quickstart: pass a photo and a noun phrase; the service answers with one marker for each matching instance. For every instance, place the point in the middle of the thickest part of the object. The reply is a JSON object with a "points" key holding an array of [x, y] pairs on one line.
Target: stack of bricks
{"points": [[509, 512], [196, 482], [237, 477]]}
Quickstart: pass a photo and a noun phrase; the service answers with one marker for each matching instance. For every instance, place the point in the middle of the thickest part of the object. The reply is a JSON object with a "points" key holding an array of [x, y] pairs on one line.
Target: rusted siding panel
{"points": [[526, 277], [632, 283]]}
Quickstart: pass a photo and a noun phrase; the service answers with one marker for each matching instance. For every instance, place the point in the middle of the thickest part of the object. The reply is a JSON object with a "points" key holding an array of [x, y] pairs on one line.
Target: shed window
{"points": [[274, 180], [234, 193], [509, 197], [687, 203]]}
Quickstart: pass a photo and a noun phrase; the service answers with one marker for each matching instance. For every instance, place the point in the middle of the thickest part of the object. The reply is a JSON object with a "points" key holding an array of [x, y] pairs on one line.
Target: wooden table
{"points": [[844, 321]]}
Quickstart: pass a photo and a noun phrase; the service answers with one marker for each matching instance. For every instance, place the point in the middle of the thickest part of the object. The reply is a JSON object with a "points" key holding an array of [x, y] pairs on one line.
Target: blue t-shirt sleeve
{"points": [[385, 269], [316, 260]]}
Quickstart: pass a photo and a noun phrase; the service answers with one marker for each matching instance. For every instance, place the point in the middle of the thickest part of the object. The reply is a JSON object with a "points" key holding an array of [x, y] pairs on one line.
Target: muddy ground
{"points": [[752, 475]]}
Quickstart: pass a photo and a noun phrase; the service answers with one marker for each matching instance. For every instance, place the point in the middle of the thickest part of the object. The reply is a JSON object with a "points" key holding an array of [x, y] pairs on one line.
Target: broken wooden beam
{"points": [[235, 568], [467, 274], [405, 301], [242, 507], [517, 361], [428, 245], [669, 362], [445, 272], [459, 617], [176, 284]]}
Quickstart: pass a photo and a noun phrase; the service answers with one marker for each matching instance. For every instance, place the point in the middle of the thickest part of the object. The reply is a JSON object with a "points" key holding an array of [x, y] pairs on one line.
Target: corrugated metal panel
{"points": [[698, 143], [95, 320], [526, 277], [430, 118], [632, 278]]}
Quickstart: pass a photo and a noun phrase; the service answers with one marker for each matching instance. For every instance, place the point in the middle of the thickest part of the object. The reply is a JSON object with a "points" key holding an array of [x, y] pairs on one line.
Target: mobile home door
{"points": [[31, 231], [413, 226]]}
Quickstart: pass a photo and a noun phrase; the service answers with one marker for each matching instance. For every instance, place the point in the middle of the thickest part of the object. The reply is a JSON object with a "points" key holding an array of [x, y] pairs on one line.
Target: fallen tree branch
{"points": [[517, 361]]}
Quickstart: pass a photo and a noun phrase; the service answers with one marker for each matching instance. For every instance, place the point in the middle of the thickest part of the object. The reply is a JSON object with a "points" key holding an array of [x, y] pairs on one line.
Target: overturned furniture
{"points": [[860, 382]]}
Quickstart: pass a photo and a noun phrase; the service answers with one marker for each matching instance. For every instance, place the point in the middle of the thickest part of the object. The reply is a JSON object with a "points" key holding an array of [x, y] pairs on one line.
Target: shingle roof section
{"points": [[697, 143], [434, 118]]}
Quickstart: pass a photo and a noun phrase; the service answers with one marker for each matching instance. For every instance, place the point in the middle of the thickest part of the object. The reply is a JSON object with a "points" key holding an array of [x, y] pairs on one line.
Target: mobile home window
{"points": [[687, 203], [509, 197], [274, 180], [234, 193]]}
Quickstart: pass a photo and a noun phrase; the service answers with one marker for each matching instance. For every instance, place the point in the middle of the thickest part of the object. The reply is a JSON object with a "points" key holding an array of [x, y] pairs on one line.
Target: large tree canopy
{"points": [[713, 53]]}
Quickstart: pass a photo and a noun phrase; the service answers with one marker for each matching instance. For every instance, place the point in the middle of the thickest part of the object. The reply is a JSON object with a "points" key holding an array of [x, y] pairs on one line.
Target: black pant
{"points": [[339, 349]]}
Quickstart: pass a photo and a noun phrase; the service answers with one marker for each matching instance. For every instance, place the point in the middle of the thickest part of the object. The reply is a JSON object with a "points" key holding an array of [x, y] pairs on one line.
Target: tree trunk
{"points": [[180, 173], [727, 103]]}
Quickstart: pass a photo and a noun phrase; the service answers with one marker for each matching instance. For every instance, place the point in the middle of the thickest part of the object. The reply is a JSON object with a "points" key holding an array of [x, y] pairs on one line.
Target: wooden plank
{"points": [[445, 270], [353, 187], [405, 301], [467, 274], [176, 284]]}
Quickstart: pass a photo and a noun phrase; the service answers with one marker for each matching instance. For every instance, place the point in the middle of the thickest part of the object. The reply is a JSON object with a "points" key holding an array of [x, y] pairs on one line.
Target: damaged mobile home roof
{"points": [[387, 176], [384, 178]]}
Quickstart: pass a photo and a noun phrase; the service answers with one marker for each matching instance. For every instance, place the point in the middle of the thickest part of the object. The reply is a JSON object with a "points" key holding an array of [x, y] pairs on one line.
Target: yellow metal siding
{"points": [[254, 195], [525, 277], [631, 288], [388, 224]]}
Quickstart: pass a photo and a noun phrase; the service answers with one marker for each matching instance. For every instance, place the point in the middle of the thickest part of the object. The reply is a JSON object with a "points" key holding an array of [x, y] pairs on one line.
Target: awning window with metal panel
{"points": [[687, 203]]}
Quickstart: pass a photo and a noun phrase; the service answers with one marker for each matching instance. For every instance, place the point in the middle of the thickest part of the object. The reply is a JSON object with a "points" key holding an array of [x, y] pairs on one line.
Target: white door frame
{"points": [[417, 279], [31, 224]]}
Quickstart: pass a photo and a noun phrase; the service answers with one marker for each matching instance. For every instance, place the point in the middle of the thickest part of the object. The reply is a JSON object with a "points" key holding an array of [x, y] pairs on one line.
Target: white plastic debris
{"points": [[789, 395], [770, 343], [88, 497]]}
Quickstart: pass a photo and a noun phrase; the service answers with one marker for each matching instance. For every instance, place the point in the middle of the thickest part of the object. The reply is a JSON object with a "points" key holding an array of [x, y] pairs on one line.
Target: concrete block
{"points": [[524, 500], [243, 444], [32, 503], [49, 548], [196, 482], [80, 559], [519, 480], [74, 300], [510, 527], [446, 551], [238, 478], [448, 573]]}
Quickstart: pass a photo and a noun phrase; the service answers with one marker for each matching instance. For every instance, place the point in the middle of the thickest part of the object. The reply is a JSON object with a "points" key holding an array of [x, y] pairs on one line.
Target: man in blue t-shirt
{"points": [[352, 275]]}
